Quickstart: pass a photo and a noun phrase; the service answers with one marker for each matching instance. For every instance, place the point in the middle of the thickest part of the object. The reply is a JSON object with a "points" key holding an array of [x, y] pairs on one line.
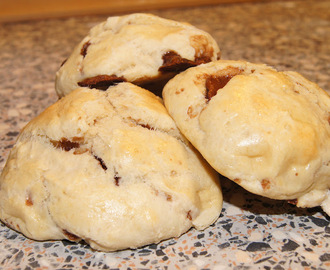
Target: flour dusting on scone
{"points": [[109, 167], [266, 130], [138, 48]]}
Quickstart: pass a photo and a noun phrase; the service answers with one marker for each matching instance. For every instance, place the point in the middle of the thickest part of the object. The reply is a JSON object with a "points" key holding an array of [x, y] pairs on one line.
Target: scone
{"points": [[266, 130], [108, 167], [138, 48]]}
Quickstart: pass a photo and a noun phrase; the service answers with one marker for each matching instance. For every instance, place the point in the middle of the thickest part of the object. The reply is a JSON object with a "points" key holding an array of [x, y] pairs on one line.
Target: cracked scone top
{"points": [[266, 130], [138, 48], [109, 167]]}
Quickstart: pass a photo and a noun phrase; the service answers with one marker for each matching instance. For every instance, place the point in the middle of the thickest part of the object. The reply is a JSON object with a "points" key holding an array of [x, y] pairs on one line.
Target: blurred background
{"points": [[18, 10]]}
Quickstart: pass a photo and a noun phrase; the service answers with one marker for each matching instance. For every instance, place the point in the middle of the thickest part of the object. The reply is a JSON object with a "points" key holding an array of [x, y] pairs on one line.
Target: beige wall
{"points": [[12, 10]]}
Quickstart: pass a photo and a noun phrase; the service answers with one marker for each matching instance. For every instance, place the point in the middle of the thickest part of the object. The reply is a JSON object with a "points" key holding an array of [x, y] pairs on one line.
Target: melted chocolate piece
{"points": [[203, 59], [265, 183], [117, 178], [214, 82], [66, 144], [294, 201], [71, 236], [101, 82], [189, 215], [203, 49], [84, 48], [173, 62], [146, 126], [28, 201]]}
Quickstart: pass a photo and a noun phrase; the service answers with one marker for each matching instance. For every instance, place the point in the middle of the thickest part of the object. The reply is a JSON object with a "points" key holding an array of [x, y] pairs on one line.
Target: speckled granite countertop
{"points": [[252, 232]]}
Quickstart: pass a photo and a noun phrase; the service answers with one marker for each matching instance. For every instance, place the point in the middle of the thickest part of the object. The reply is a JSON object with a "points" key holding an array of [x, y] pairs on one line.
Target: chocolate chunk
{"points": [[101, 82], [203, 49], [203, 59], [146, 126], [100, 160], [265, 183], [84, 48], [71, 236], [237, 180], [215, 82], [117, 178], [173, 62], [28, 201], [66, 144], [294, 201], [189, 215], [139, 123]]}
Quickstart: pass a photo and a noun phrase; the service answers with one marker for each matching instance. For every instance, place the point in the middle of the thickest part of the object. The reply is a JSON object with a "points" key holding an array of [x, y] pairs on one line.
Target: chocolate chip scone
{"points": [[108, 167], [138, 48], [266, 130]]}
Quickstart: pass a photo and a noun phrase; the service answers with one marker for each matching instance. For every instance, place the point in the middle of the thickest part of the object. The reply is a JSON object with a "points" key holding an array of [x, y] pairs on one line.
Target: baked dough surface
{"points": [[139, 48], [109, 167], [266, 130]]}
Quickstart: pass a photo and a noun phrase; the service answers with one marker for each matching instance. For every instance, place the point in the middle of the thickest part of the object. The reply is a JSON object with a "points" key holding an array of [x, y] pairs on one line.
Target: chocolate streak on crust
{"points": [[101, 82], [66, 144], [75, 143], [104, 167], [173, 62], [189, 215], [117, 178], [215, 82], [146, 126], [84, 48]]}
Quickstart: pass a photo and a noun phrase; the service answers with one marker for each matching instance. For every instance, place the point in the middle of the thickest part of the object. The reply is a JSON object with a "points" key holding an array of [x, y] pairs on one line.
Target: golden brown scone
{"points": [[138, 48], [109, 167], [266, 130]]}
